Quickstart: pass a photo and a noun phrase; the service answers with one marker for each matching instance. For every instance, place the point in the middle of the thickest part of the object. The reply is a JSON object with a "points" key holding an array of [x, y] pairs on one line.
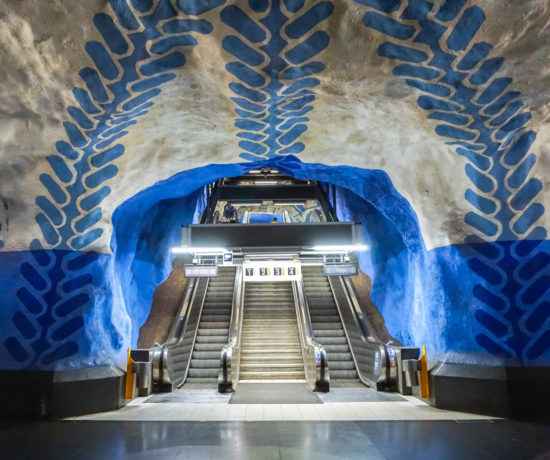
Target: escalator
{"points": [[327, 326], [213, 329]]}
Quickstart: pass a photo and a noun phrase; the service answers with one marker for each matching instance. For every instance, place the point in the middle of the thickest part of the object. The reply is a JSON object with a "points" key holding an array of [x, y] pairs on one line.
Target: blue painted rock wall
{"points": [[427, 116]]}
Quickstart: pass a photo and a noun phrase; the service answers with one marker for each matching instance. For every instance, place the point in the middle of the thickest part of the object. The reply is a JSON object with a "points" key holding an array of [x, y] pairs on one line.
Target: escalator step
{"points": [[194, 372], [206, 355], [205, 363], [322, 333], [341, 366], [336, 374], [207, 346]]}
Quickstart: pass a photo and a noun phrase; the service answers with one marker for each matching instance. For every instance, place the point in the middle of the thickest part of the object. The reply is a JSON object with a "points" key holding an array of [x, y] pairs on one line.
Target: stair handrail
{"points": [[228, 374], [314, 354]]}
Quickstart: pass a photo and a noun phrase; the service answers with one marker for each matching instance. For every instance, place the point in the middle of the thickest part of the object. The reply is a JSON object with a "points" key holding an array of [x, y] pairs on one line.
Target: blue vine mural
{"points": [[275, 43], [478, 113], [142, 42]]}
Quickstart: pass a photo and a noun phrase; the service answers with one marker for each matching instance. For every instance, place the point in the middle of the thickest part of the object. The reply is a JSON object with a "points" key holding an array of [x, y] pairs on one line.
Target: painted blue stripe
{"points": [[388, 26], [94, 84], [528, 218], [521, 173], [386, 6], [483, 204], [112, 36], [245, 74], [166, 44], [466, 28], [239, 49], [86, 239], [402, 53], [484, 183], [53, 188], [88, 220], [307, 21], [84, 100], [409, 70], [195, 8], [480, 223], [526, 194], [310, 47], [234, 17], [477, 53], [60, 168], [294, 73], [101, 159], [248, 93], [94, 199], [66, 150], [450, 9], [50, 233], [97, 178], [163, 64], [102, 60]]}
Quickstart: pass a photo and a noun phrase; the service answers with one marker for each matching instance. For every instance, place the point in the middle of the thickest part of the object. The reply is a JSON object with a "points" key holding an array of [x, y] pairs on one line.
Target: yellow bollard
{"points": [[129, 377], [424, 382]]}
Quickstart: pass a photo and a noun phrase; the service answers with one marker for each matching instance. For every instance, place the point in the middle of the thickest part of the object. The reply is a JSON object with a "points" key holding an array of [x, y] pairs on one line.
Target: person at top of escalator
{"points": [[230, 213]]}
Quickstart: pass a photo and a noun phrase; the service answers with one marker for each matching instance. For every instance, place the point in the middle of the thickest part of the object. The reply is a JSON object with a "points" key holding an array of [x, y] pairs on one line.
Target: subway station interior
{"points": [[275, 229]]}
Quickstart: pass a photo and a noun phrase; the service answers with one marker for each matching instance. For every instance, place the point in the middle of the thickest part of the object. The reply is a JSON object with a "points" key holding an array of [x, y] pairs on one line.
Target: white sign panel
{"points": [[272, 271]]}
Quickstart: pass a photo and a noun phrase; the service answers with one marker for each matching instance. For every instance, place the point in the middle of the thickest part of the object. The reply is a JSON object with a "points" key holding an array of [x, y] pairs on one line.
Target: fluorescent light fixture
{"points": [[265, 182], [343, 248], [182, 250]]}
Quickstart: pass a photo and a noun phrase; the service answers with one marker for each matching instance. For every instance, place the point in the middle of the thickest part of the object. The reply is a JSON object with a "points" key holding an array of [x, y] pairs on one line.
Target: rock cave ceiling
{"points": [[103, 99]]}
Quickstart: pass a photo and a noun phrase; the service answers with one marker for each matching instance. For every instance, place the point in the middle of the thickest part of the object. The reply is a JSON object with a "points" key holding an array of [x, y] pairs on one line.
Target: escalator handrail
{"points": [[165, 378], [391, 365], [159, 353], [182, 313], [362, 328], [322, 377], [229, 358]]}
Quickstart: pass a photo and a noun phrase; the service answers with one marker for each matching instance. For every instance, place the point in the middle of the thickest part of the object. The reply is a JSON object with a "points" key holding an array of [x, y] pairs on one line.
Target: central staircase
{"points": [[270, 340]]}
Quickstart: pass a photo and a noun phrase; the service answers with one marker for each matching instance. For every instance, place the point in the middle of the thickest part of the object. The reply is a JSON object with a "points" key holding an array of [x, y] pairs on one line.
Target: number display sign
{"points": [[271, 271]]}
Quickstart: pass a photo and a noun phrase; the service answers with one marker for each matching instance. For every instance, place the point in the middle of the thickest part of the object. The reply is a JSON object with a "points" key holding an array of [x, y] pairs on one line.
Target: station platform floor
{"points": [[277, 421]]}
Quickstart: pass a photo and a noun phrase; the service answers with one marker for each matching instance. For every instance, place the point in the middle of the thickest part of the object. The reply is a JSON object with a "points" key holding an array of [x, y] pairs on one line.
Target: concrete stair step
{"points": [[295, 375]]}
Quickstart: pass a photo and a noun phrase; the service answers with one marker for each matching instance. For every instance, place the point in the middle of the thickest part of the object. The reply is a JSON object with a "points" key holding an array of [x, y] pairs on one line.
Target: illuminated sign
{"points": [[340, 270], [198, 271]]}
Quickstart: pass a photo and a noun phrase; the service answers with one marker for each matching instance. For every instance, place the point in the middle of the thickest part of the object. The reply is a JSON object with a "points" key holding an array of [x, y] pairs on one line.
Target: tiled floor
{"points": [[318, 440], [407, 408]]}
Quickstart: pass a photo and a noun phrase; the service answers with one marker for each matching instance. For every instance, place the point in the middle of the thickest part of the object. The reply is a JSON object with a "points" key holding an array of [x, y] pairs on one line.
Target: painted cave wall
{"points": [[431, 118]]}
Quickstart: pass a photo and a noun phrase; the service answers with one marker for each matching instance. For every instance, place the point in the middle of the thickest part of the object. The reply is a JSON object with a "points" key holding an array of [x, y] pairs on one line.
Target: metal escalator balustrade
{"points": [[213, 329], [270, 343], [327, 325]]}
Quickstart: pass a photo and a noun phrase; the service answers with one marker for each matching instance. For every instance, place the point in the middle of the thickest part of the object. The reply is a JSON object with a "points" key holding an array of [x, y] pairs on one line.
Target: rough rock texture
{"points": [[362, 284], [431, 116], [166, 305]]}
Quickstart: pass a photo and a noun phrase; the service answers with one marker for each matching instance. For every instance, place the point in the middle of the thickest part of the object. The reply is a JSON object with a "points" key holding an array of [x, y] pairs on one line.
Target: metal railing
{"points": [[230, 358], [368, 353], [313, 353], [173, 365]]}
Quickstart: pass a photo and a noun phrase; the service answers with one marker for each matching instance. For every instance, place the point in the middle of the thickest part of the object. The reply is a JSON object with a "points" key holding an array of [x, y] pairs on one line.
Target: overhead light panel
{"points": [[206, 251], [341, 248]]}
